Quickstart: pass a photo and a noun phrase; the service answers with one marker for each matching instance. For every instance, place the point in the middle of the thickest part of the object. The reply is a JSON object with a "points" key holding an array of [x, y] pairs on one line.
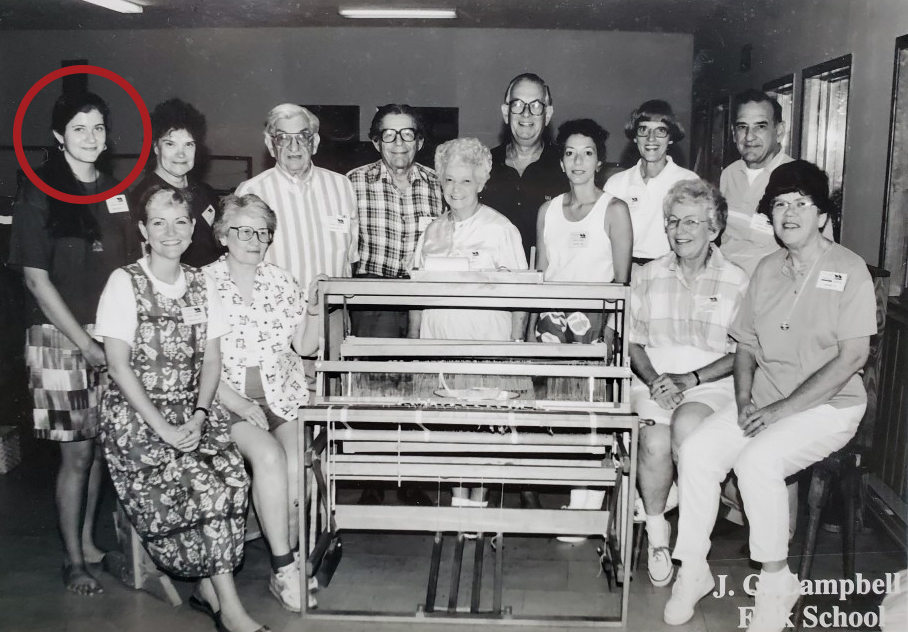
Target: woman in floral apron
{"points": [[179, 478]]}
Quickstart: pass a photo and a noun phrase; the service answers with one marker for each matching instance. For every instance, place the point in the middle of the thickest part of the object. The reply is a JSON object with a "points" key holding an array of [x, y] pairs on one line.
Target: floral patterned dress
{"points": [[188, 507]]}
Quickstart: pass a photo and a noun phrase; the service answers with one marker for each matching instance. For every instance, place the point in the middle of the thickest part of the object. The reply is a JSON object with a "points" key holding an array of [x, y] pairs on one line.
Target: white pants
{"points": [[761, 463]]}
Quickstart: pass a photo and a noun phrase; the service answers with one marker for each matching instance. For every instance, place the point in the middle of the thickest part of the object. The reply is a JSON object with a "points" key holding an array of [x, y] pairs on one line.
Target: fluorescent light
{"points": [[120, 6], [386, 14]]}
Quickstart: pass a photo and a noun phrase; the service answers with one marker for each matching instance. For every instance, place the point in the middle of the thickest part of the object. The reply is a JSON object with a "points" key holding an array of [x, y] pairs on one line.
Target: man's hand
{"points": [[753, 420], [666, 392]]}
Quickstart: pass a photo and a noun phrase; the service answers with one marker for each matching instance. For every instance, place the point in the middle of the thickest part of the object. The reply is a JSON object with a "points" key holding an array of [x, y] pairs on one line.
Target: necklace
{"points": [[784, 325]]}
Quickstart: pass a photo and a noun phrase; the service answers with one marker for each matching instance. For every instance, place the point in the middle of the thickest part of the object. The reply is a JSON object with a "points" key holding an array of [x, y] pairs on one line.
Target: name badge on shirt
{"points": [[339, 224], [579, 239], [117, 204], [832, 280], [208, 215], [707, 304], [761, 224], [422, 223], [194, 315]]}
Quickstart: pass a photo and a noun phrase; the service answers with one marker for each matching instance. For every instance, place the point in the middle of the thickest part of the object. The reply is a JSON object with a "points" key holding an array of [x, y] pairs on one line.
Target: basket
{"points": [[10, 452]]}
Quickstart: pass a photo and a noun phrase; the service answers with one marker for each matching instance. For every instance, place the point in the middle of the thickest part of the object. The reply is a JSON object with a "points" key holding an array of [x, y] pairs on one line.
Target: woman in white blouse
{"points": [[263, 383]]}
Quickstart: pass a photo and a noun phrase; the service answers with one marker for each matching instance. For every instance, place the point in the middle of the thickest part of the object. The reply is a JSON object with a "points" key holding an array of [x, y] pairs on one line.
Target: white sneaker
{"points": [[772, 610], [689, 589], [659, 565], [285, 586]]}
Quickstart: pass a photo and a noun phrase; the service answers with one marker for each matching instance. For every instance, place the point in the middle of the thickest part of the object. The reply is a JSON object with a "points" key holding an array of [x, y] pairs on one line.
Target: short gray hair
{"points": [[698, 192], [250, 205], [288, 111], [465, 151]]}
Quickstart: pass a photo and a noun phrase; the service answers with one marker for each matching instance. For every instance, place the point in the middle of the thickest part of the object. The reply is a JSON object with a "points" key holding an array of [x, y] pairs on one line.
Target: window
{"points": [[782, 90], [824, 116], [894, 247]]}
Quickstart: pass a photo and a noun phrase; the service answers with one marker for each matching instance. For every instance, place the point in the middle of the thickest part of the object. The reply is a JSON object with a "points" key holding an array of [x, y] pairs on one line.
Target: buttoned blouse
{"points": [[261, 335]]}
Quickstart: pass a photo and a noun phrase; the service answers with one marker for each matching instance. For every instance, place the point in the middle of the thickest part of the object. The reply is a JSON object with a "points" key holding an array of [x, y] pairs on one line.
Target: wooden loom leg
{"points": [[432, 588]]}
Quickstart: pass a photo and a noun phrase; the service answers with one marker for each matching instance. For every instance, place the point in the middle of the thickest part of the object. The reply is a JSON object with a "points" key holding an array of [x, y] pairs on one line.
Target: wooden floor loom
{"points": [[494, 414]]}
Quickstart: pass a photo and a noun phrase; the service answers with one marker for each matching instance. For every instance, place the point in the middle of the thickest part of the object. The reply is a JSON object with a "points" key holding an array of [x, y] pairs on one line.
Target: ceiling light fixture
{"points": [[120, 6], [403, 14]]}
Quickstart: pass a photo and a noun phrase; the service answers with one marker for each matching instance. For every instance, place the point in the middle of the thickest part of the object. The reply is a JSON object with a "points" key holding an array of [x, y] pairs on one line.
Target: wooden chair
{"points": [[844, 466]]}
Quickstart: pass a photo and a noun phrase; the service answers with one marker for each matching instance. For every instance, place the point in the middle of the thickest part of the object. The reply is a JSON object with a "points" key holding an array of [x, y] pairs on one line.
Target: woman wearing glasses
{"points": [[682, 306], [180, 479], [263, 382], [653, 128], [803, 335], [178, 137]]}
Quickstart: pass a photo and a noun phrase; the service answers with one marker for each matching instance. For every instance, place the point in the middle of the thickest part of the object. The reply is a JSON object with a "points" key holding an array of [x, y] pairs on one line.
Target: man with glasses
{"points": [[397, 199], [652, 127], [526, 170], [317, 225], [758, 131]]}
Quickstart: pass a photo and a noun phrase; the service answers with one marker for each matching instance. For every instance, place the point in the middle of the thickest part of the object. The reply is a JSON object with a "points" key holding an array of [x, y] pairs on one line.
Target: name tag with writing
{"points": [[761, 224], [707, 304], [194, 315], [339, 224], [422, 223], [832, 280], [117, 204], [579, 239], [208, 215]]}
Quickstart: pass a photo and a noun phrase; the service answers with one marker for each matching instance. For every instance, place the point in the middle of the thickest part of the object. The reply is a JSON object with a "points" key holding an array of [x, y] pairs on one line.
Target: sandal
{"points": [[220, 627], [78, 580]]}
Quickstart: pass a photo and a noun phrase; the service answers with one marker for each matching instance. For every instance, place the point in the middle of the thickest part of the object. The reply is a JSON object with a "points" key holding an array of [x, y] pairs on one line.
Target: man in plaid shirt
{"points": [[397, 198]]}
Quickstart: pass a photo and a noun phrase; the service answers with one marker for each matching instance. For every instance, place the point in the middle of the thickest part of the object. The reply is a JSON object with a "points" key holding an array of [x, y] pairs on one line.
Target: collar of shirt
{"points": [[715, 260], [292, 179], [637, 175], [777, 160], [381, 173]]}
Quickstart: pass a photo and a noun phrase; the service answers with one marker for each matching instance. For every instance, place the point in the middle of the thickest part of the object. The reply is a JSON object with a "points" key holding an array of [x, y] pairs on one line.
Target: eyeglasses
{"points": [[519, 106], [285, 139], [689, 223], [659, 132], [245, 233], [799, 205], [407, 135]]}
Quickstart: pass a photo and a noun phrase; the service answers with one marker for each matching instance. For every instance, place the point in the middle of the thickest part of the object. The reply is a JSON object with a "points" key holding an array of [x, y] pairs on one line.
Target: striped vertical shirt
{"points": [[391, 220], [667, 312], [317, 221]]}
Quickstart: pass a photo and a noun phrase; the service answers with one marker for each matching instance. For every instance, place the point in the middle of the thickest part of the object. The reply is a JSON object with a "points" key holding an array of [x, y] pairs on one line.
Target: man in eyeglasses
{"points": [[758, 131], [317, 220], [397, 198], [526, 171]]}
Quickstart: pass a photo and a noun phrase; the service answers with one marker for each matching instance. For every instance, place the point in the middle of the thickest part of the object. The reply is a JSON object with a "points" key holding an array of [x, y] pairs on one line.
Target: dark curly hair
{"points": [[176, 114], [584, 127], [799, 176], [657, 111], [396, 108]]}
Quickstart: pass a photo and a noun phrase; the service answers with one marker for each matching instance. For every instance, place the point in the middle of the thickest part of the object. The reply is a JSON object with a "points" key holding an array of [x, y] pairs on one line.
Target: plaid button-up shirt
{"points": [[391, 221]]}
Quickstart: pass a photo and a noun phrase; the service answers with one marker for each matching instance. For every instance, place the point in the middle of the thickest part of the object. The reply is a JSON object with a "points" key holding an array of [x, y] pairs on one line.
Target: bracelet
{"points": [[203, 409], [697, 377]]}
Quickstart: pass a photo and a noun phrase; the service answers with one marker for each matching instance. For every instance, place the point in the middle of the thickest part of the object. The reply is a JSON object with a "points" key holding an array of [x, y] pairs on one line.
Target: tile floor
{"points": [[377, 571]]}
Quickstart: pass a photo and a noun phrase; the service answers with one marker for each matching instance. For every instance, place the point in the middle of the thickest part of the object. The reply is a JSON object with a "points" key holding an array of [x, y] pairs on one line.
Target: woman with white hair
{"points": [[682, 306], [482, 239], [263, 382]]}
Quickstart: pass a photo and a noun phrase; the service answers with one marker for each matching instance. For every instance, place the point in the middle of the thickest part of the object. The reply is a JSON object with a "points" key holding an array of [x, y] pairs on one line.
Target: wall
{"points": [[236, 75], [798, 35]]}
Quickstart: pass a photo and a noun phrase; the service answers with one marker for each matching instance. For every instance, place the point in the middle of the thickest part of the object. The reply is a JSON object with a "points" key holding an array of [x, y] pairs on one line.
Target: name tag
{"points": [[579, 239], [339, 224], [761, 224], [208, 215], [707, 304], [832, 280], [117, 204], [194, 315], [422, 223]]}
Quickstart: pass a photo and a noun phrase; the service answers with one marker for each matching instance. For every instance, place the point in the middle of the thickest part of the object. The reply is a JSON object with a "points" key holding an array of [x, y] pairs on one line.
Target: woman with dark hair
{"points": [[178, 137], [652, 127], [66, 252], [179, 477], [584, 236], [803, 336]]}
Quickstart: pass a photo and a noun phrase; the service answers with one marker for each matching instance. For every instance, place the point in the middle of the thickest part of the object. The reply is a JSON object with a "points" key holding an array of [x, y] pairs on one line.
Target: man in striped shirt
{"points": [[397, 199], [317, 220]]}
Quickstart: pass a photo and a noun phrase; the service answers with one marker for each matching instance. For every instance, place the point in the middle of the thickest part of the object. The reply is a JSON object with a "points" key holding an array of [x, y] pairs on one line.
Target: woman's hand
{"points": [[312, 297], [666, 392], [94, 355], [185, 438], [753, 420], [250, 411]]}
